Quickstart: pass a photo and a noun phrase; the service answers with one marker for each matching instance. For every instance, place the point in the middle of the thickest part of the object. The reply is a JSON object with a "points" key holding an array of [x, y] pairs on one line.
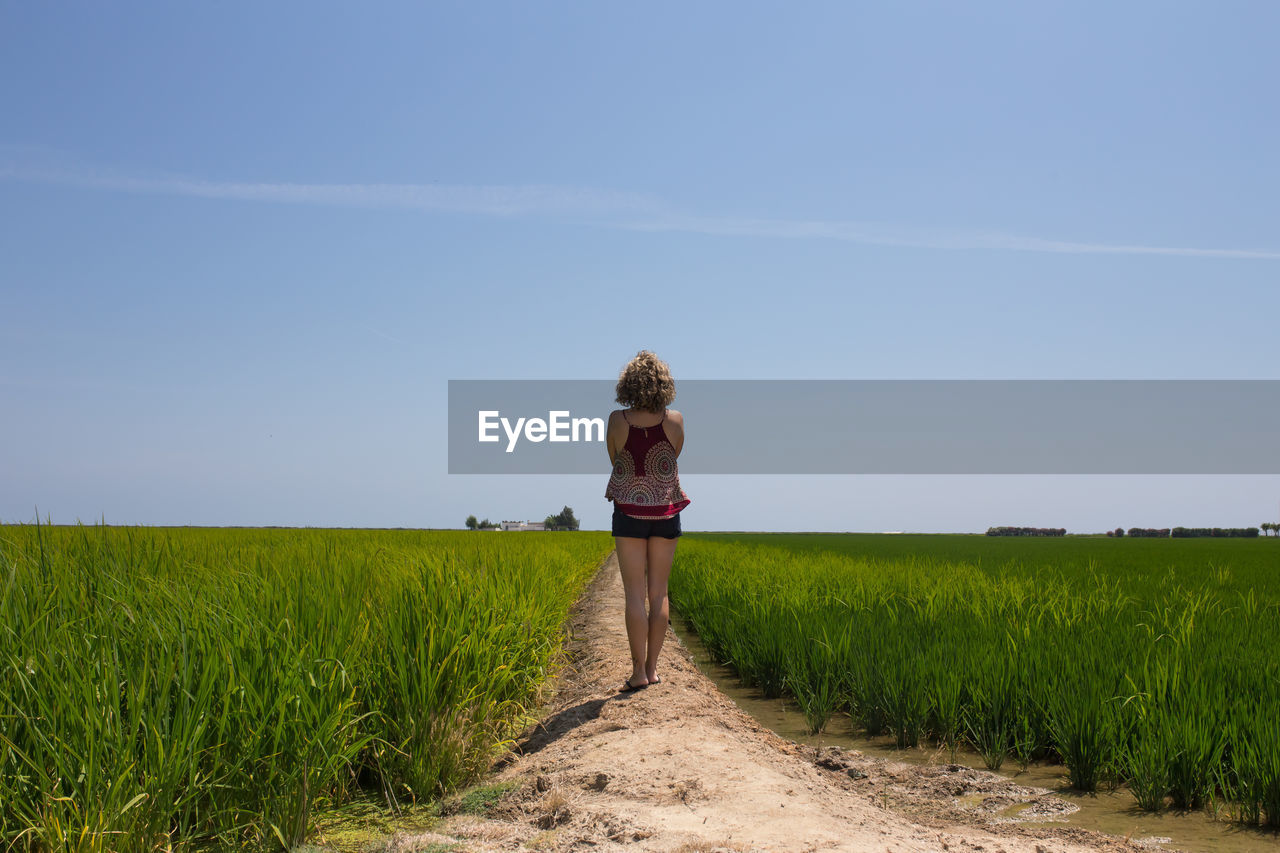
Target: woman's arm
{"points": [[674, 426], [615, 434]]}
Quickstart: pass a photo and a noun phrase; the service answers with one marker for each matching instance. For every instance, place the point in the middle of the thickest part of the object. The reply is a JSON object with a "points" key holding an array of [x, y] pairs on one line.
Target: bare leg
{"points": [[661, 553], [633, 560]]}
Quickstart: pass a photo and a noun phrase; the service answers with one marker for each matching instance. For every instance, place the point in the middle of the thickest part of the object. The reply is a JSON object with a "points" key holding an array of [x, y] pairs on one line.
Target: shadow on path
{"points": [[553, 728]]}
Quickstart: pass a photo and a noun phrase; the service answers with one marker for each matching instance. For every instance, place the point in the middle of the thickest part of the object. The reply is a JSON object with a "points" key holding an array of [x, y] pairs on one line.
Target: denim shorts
{"points": [[643, 528]]}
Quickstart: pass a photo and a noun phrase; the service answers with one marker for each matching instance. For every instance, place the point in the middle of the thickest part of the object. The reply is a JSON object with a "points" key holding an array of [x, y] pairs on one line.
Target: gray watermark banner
{"points": [[910, 426]]}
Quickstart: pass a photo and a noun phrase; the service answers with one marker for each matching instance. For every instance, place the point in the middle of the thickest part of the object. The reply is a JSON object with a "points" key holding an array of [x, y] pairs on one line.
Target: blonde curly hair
{"points": [[646, 383]]}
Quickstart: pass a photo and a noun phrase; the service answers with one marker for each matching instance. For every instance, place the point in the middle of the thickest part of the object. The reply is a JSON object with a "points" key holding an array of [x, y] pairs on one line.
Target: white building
{"points": [[522, 525]]}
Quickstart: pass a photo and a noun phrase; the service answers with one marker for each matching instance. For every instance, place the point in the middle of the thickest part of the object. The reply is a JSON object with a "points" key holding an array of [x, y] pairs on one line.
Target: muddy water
{"points": [[1112, 812]]}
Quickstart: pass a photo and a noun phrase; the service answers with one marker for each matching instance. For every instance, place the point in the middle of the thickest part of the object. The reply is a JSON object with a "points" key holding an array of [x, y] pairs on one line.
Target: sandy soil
{"points": [[678, 767]]}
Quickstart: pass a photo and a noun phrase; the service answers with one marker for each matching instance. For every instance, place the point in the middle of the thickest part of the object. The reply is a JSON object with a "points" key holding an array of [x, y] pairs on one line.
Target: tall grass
{"points": [[175, 686], [1151, 664]]}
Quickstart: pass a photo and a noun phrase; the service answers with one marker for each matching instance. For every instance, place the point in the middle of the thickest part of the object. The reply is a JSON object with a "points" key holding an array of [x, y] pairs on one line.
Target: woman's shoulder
{"points": [[675, 417]]}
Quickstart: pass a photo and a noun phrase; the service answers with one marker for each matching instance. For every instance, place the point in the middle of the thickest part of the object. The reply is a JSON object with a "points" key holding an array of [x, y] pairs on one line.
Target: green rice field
{"points": [[178, 687], [1151, 663]]}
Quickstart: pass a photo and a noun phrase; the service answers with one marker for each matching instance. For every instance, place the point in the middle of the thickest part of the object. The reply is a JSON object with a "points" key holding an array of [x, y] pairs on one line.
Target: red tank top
{"points": [[645, 482]]}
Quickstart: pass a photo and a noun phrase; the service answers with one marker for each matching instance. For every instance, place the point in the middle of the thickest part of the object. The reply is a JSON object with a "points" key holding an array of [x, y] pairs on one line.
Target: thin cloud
{"points": [[381, 334], [528, 200], [627, 211], [923, 238]]}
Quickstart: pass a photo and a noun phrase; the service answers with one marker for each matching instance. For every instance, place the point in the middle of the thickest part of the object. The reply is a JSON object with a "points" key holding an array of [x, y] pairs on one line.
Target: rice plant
{"points": [[1146, 662], [175, 687]]}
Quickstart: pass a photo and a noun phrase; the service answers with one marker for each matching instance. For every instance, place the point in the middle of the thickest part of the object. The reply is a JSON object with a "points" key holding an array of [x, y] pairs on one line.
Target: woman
{"points": [[643, 442]]}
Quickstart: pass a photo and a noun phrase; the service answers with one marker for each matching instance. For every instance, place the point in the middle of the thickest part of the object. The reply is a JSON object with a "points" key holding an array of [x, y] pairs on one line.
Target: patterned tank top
{"points": [[645, 482]]}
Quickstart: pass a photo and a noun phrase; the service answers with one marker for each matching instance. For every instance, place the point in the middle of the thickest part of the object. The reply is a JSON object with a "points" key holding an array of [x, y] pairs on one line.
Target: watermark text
{"points": [[558, 426]]}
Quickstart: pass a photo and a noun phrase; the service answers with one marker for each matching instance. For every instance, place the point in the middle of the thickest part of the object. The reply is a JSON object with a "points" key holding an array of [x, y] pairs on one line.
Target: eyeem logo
{"points": [[559, 426]]}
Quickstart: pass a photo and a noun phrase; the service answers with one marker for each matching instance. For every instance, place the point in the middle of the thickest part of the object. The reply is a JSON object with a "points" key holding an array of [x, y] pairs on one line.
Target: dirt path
{"points": [[678, 767]]}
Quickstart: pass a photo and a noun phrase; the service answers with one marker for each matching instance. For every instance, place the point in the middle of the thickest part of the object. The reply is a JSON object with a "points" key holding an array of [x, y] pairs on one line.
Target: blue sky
{"points": [[244, 246]]}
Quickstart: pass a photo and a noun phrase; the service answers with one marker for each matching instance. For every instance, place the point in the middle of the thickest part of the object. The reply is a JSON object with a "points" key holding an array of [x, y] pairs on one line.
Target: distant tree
{"points": [[563, 520], [1026, 531], [486, 524], [1119, 531], [472, 524]]}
